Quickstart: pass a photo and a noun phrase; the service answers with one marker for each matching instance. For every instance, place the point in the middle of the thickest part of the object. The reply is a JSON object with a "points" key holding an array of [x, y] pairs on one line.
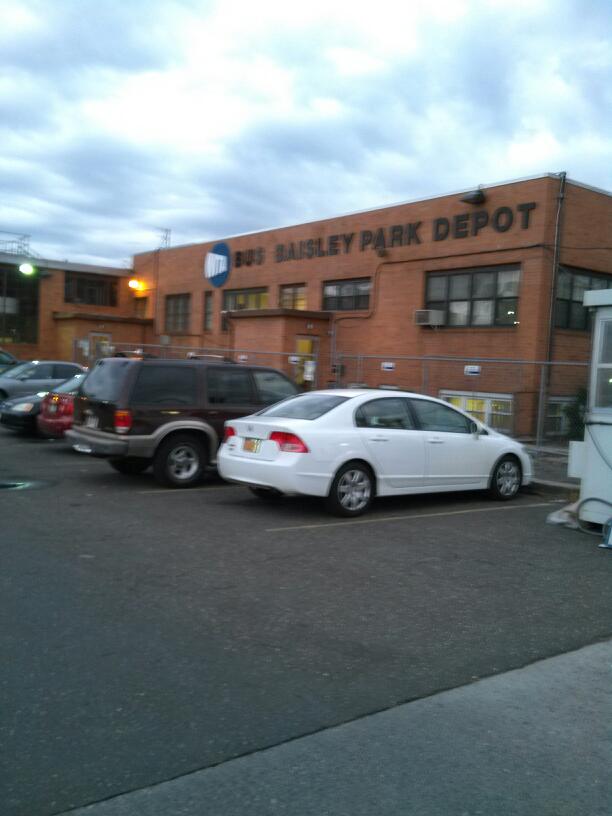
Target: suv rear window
{"points": [[165, 385], [105, 379], [304, 406]]}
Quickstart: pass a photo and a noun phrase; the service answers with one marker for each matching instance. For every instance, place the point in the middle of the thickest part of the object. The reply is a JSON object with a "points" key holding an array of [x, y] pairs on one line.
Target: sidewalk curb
{"points": [[548, 488]]}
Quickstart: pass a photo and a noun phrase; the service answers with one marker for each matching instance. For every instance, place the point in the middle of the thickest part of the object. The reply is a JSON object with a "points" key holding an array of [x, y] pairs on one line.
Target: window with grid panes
{"points": [[347, 295], [476, 297], [570, 312], [239, 299], [177, 313], [495, 410], [208, 311], [292, 296], [94, 290]]}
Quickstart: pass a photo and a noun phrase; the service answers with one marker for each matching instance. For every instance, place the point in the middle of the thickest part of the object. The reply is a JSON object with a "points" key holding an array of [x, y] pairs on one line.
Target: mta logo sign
{"points": [[218, 264]]}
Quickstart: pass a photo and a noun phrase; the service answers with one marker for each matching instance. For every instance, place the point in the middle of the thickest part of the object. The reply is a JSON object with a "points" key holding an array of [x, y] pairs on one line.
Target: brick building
{"points": [[445, 296], [65, 311], [458, 276]]}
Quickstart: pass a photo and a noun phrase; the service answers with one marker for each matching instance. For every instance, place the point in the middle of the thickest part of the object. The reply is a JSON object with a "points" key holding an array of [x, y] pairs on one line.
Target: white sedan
{"points": [[350, 445]]}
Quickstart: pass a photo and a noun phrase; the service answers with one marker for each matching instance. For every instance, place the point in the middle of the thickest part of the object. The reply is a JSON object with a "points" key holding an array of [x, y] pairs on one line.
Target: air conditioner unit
{"points": [[429, 317]]}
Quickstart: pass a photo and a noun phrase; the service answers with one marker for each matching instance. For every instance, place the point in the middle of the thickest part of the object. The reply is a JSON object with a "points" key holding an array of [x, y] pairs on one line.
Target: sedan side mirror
{"points": [[474, 429]]}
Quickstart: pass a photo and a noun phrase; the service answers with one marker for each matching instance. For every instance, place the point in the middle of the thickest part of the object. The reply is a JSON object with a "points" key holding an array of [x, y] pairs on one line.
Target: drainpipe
{"points": [[546, 370]]}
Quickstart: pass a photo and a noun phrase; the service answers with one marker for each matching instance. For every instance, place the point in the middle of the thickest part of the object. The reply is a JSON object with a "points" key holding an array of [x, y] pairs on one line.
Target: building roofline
{"points": [[100, 317], [377, 209], [67, 266]]}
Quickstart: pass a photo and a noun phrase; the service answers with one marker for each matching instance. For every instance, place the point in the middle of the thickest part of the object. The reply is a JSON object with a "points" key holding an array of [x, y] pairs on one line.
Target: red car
{"points": [[56, 410]]}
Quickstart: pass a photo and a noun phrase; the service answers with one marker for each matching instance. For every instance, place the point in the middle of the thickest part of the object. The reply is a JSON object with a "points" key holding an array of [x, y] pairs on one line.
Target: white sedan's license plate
{"points": [[91, 422], [252, 445]]}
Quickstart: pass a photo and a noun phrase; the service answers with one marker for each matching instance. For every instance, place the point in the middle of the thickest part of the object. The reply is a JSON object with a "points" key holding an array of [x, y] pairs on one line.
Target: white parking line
{"points": [[186, 491], [406, 516]]}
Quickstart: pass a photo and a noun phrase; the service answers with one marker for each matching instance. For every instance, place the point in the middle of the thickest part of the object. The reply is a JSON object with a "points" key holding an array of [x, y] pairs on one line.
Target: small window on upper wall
{"points": [[475, 297]]}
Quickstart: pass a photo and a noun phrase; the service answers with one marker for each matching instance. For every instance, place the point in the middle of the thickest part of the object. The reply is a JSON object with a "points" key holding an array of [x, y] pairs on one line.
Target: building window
{"points": [[557, 420], [93, 290], [239, 299], [140, 307], [177, 314], [570, 312], [476, 297], [18, 306], [495, 410], [208, 311], [347, 295], [292, 296]]}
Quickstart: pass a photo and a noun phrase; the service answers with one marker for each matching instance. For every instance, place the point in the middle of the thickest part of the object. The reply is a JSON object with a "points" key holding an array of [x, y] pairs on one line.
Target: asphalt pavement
{"points": [[160, 635]]}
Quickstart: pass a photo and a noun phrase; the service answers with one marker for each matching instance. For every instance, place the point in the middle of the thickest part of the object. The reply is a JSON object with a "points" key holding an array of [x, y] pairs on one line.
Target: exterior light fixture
{"points": [[476, 197], [136, 285], [26, 269]]}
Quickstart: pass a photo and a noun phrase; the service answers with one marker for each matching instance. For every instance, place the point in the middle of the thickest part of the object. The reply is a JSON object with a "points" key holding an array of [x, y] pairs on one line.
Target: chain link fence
{"points": [[539, 402], [301, 368]]}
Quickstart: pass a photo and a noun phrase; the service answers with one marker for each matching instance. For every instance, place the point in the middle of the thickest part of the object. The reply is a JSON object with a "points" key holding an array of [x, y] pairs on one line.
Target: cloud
{"points": [[217, 118]]}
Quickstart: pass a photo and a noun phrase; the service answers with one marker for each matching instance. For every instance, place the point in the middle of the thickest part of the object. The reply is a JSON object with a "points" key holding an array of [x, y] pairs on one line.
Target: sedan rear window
{"points": [[304, 406], [104, 381]]}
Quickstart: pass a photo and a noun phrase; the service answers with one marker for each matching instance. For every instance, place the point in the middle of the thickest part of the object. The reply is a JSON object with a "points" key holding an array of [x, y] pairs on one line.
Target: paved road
{"points": [[155, 633]]}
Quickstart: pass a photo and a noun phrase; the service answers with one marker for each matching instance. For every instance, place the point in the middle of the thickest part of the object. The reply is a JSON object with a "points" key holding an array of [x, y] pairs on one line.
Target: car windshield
{"points": [[70, 385], [304, 406], [19, 370]]}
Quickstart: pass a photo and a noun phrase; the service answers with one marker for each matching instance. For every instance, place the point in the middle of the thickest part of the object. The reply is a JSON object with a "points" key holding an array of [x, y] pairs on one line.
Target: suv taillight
{"points": [[123, 421], [288, 442], [229, 432]]}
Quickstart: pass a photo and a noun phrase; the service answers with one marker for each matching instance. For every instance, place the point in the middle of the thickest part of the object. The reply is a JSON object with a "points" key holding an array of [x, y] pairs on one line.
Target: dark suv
{"points": [[167, 413]]}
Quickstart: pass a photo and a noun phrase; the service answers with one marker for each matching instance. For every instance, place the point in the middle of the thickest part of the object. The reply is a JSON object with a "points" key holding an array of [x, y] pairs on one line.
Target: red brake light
{"points": [[229, 431], [66, 405], [288, 442], [123, 421]]}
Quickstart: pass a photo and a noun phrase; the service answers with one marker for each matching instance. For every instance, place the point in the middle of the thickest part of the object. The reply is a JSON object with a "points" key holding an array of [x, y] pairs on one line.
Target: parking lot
{"points": [[150, 633]]}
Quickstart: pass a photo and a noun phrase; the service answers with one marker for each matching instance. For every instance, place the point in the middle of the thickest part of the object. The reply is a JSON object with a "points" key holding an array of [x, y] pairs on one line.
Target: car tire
{"points": [[130, 466], [352, 490], [506, 479], [180, 460], [266, 493]]}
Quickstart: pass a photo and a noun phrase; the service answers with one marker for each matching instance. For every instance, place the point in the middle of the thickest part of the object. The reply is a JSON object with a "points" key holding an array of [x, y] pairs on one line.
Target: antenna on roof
{"points": [[164, 237]]}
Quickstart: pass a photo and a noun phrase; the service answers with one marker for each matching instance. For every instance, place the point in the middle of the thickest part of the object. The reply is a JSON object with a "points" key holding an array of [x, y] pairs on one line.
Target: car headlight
{"points": [[23, 407]]}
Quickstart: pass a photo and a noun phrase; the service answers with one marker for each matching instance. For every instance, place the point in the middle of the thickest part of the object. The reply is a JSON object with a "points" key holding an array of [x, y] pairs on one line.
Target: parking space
{"points": [[155, 632]]}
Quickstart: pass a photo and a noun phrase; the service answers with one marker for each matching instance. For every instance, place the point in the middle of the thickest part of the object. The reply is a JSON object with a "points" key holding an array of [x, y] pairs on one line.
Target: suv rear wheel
{"points": [[130, 466], [180, 461]]}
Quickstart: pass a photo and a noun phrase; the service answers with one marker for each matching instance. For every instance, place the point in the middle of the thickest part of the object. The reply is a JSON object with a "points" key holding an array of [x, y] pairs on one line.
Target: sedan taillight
{"points": [[288, 442], [229, 432], [123, 421]]}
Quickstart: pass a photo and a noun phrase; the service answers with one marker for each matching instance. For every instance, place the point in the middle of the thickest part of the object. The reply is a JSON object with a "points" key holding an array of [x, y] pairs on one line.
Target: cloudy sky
{"points": [[120, 118]]}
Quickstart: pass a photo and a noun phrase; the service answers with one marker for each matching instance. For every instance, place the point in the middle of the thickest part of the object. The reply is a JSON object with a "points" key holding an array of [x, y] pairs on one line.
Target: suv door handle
{"points": [[435, 440], [379, 439]]}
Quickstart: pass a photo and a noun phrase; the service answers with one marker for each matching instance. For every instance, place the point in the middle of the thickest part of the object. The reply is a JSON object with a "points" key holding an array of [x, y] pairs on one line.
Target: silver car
{"points": [[38, 375]]}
